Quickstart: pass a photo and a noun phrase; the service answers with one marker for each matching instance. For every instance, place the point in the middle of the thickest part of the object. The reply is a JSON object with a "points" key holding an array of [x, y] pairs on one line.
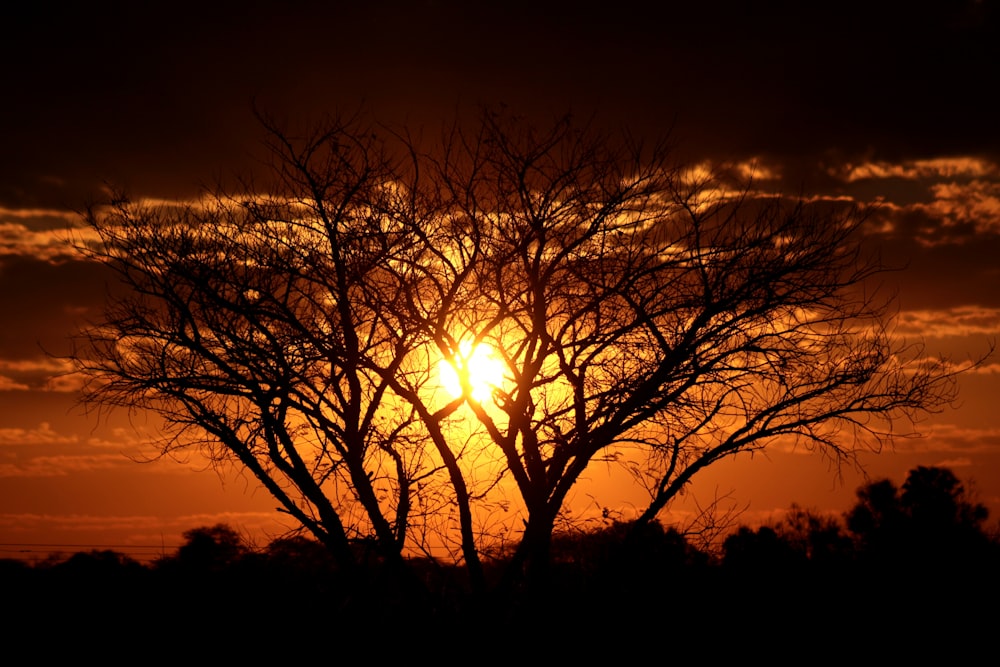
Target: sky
{"points": [[876, 102]]}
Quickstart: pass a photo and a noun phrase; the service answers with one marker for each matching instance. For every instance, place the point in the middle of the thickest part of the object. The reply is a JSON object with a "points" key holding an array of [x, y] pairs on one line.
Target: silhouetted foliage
{"points": [[620, 543], [936, 501], [800, 538], [211, 548], [761, 551], [619, 558], [929, 525], [877, 520], [820, 538], [659, 317], [298, 553], [11, 568], [930, 521], [98, 563]]}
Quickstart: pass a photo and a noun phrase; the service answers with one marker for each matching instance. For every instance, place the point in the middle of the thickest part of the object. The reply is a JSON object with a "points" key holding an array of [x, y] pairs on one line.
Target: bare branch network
{"points": [[638, 312]]}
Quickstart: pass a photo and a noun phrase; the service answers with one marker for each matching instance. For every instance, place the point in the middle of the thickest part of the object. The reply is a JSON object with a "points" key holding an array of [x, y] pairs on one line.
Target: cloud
{"points": [[126, 438], [954, 439], [9, 384], [939, 168], [38, 365], [975, 204], [946, 200], [42, 435], [961, 462], [231, 518], [38, 374], [127, 458], [47, 245], [73, 522], [62, 465], [42, 218], [960, 321], [64, 384], [69, 454], [951, 439], [985, 369], [45, 452]]}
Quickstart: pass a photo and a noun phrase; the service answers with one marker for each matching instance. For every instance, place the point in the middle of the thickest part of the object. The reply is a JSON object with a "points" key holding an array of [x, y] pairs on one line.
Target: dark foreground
{"points": [[907, 575], [124, 613]]}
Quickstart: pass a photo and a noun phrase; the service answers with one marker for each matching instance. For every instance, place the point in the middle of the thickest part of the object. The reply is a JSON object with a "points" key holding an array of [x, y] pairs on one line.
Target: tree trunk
{"points": [[528, 574]]}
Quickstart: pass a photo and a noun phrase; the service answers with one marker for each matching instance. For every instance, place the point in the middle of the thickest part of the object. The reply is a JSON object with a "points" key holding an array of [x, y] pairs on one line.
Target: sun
{"points": [[478, 364]]}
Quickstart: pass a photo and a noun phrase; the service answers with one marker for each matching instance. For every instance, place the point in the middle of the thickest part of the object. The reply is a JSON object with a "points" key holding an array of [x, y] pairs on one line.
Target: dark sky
{"points": [[162, 92], [868, 101]]}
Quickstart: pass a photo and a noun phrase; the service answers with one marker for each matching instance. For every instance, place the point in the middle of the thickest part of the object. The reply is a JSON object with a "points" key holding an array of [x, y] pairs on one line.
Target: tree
{"points": [[211, 548], [325, 330], [930, 520]]}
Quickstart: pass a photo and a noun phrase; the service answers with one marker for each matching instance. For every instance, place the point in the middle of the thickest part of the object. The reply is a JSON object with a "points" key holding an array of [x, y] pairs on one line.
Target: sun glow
{"points": [[477, 365]]}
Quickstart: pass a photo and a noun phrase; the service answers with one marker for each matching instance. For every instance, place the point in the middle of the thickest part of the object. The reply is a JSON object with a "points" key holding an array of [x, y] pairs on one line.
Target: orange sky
{"points": [[864, 104]]}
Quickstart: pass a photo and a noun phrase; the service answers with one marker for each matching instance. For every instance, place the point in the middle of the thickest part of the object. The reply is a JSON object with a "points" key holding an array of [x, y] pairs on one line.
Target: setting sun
{"points": [[484, 371]]}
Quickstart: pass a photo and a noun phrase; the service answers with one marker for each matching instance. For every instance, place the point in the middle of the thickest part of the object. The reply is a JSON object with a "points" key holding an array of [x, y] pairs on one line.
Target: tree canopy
{"points": [[324, 327]]}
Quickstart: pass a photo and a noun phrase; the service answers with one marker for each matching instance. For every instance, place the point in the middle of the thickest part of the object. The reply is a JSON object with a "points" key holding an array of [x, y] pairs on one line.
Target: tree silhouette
{"points": [[646, 315], [931, 520], [211, 548], [877, 517]]}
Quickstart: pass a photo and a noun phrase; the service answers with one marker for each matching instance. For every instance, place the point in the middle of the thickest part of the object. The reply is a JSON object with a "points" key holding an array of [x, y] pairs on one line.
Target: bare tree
{"points": [[253, 327], [630, 310]]}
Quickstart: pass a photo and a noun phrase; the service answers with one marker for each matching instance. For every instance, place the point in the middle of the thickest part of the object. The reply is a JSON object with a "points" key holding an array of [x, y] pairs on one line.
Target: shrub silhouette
{"points": [[761, 550]]}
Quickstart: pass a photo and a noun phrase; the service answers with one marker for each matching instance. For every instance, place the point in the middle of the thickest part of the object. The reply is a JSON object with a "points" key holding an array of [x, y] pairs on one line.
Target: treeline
{"points": [[925, 546]]}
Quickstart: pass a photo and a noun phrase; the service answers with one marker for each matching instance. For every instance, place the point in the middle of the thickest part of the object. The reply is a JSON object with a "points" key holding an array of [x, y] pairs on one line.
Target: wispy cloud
{"points": [[64, 384], [41, 218], [946, 200], [131, 461], [61, 465], [975, 204], [38, 374], [955, 441], [80, 522], [38, 365], [960, 462], [960, 321], [9, 384], [939, 168], [43, 434], [45, 452], [47, 245], [126, 439]]}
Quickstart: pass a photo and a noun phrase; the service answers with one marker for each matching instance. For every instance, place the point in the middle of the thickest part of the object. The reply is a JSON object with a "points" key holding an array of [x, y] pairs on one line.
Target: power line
{"points": [[89, 546], [38, 551]]}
